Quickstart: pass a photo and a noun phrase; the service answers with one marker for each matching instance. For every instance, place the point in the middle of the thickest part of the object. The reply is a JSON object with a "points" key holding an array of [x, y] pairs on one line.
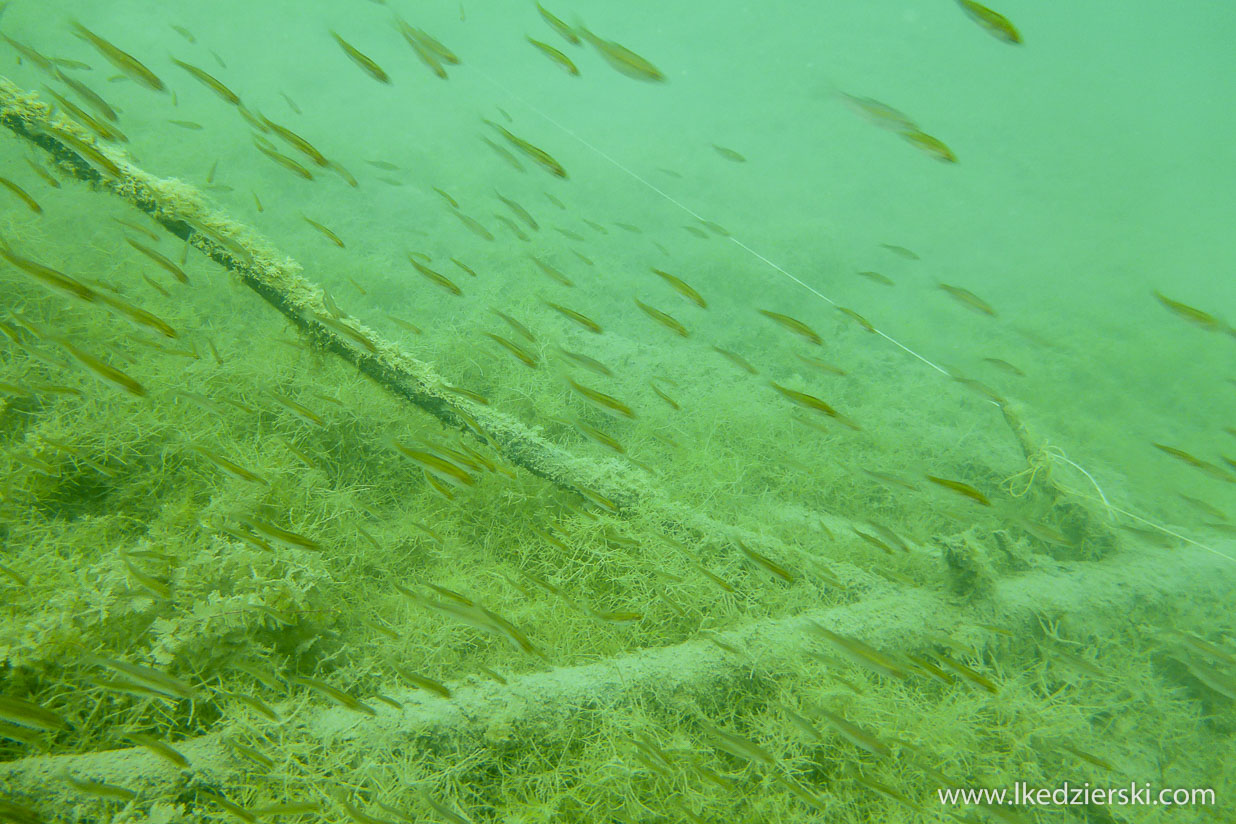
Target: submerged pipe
{"points": [[1096, 594]]}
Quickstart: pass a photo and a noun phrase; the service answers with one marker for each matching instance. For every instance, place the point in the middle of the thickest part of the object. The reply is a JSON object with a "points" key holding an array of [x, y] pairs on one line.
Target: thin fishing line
{"points": [[617, 164], [785, 273]]}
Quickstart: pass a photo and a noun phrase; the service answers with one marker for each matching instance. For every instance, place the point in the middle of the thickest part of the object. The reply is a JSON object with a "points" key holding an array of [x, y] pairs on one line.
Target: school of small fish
{"points": [[666, 305]]}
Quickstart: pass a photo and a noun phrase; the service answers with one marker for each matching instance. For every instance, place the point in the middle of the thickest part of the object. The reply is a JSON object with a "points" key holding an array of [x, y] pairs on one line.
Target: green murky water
{"points": [[796, 413]]}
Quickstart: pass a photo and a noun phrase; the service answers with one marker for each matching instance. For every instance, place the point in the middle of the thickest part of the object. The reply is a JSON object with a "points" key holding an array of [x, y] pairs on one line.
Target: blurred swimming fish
{"points": [[961, 488], [279, 535], [334, 238], [87, 94], [591, 364], [334, 694], [185, 33], [427, 54], [160, 259], [523, 331], [996, 24], [527, 358], [1211, 469], [21, 193], [580, 318], [901, 251], [473, 225], [1190, 313], [210, 81], [44, 174], [106, 131], [931, 145], [519, 211], [884, 280], [877, 113], [558, 25], [664, 318], [297, 142], [267, 148], [105, 372], [968, 299], [682, 288], [602, 401], [623, 59], [542, 157], [119, 58], [361, 59], [437, 277], [736, 359], [27, 714], [553, 54], [793, 324]]}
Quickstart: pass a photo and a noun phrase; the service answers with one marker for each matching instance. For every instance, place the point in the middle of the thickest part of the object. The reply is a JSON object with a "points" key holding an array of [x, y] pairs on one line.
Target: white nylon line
{"points": [[785, 273]]}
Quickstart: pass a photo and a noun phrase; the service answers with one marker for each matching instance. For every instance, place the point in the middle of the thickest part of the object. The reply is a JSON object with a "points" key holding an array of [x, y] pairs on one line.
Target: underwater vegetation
{"points": [[386, 437]]}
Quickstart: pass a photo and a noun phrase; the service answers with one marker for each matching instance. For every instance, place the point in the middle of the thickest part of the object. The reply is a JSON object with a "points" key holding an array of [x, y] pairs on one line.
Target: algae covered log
{"points": [[278, 280]]}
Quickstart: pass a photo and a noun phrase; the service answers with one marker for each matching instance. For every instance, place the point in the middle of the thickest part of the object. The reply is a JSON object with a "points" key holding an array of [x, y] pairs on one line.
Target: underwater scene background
{"points": [[642, 412]]}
